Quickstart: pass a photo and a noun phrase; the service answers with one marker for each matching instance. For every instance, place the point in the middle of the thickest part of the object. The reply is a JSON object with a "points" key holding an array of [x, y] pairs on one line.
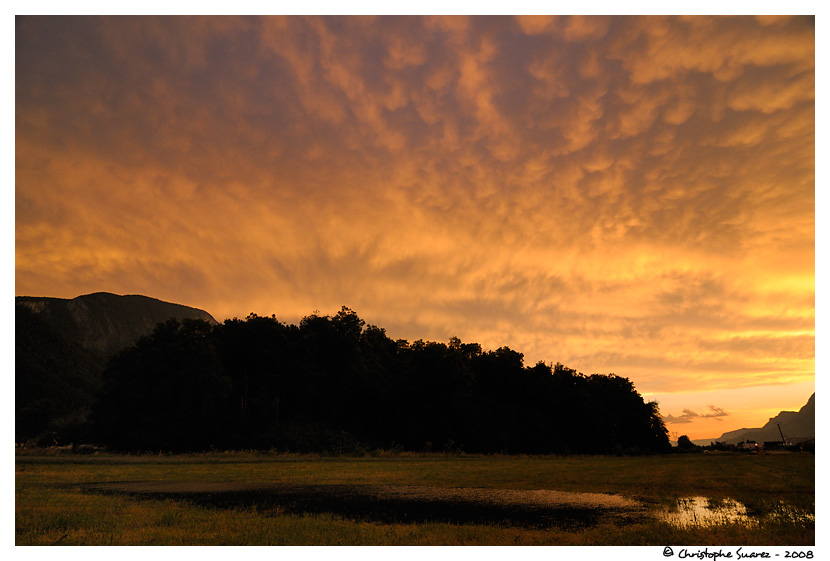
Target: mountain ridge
{"points": [[796, 425], [104, 322], [61, 349]]}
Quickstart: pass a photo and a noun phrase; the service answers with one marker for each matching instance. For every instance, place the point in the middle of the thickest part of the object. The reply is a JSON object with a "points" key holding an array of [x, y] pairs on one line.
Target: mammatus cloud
{"points": [[631, 195], [688, 415]]}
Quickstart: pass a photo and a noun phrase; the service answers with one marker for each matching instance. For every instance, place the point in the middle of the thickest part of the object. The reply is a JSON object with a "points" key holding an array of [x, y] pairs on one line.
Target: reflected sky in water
{"points": [[703, 511]]}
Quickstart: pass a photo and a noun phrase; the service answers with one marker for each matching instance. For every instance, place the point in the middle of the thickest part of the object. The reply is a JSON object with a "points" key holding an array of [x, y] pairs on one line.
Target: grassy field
{"points": [[52, 508]]}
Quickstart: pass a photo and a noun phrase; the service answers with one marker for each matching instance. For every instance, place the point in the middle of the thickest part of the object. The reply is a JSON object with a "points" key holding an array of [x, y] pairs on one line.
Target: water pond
{"points": [[703, 512], [397, 503], [421, 504]]}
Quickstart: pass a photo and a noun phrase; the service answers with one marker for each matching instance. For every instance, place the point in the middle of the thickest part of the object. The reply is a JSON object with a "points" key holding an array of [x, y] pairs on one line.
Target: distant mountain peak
{"points": [[104, 322], [797, 425]]}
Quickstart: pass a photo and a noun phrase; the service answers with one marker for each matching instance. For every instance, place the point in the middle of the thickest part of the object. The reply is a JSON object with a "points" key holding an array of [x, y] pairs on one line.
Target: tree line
{"points": [[333, 383]]}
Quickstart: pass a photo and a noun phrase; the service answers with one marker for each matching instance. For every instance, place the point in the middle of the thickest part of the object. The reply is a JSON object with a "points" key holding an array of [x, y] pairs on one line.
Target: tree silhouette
{"points": [[333, 383], [684, 443], [165, 392]]}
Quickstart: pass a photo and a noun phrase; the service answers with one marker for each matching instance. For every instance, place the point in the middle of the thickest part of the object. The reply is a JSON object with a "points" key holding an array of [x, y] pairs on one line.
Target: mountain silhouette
{"points": [[61, 348], [106, 323], [798, 425]]}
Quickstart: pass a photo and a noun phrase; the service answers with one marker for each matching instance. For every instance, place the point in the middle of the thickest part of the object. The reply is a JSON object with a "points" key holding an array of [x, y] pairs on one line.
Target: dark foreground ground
{"points": [[257, 499]]}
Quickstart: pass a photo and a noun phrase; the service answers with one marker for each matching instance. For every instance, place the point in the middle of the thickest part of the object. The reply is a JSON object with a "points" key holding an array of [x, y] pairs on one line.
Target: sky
{"points": [[631, 195]]}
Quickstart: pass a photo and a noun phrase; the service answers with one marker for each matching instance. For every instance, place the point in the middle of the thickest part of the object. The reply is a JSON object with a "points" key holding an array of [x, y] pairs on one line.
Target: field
{"points": [[255, 499]]}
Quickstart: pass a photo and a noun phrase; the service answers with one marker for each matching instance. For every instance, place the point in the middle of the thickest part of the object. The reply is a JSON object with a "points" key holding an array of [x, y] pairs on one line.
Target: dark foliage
{"points": [[683, 443], [166, 392], [55, 382], [334, 384]]}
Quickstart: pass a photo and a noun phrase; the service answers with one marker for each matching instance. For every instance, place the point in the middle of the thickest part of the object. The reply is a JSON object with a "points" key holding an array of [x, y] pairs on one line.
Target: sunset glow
{"points": [[628, 195]]}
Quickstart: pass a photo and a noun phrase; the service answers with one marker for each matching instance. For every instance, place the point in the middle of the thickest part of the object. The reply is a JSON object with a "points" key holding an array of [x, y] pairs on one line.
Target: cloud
{"points": [[655, 49], [629, 195], [689, 416], [571, 28]]}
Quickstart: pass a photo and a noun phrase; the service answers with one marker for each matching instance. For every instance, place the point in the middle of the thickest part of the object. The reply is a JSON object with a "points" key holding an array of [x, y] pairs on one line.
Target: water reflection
{"points": [[786, 513], [703, 511]]}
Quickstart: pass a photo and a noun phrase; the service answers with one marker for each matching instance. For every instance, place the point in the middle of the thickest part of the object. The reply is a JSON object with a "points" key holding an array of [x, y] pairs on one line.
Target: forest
{"points": [[333, 383]]}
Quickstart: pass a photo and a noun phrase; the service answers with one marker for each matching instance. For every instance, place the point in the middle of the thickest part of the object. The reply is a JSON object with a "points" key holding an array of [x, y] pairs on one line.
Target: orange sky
{"points": [[632, 195]]}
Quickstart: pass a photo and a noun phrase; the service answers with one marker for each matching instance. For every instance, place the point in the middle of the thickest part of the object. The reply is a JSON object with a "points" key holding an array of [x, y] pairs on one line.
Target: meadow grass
{"points": [[51, 507]]}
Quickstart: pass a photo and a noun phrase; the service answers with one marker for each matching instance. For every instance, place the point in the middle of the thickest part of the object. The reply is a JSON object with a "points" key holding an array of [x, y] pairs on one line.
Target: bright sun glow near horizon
{"points": [[631, 195]]}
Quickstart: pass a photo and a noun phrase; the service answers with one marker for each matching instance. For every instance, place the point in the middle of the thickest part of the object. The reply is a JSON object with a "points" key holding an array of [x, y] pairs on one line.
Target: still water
{"points": [[703, 511]]}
